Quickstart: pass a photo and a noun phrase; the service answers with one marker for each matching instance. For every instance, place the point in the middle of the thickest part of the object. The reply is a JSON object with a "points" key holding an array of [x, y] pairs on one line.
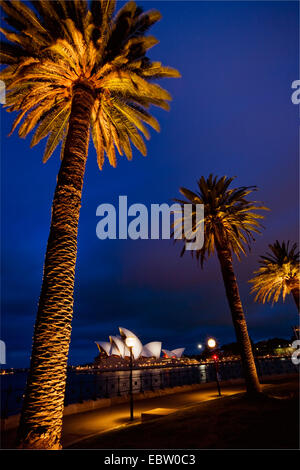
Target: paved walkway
{"points": [[83, 425], [80, 426]]}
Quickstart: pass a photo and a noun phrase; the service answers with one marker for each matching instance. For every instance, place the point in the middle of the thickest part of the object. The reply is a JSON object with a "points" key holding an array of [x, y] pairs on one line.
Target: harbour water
{"points": [[90, 385]]}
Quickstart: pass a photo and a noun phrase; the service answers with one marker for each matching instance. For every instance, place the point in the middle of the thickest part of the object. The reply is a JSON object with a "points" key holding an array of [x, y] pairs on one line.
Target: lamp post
{"points": [[130, 343], [211, 343], [199, 346]]}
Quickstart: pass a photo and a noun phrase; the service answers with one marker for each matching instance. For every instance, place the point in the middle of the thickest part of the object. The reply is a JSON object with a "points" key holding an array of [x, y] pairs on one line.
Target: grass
{"points": [[270, 422]]}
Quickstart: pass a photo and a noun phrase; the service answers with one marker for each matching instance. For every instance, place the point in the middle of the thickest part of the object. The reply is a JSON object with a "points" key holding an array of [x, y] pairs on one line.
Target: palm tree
{"points": [[229, 221], [278, 274], [71, 69]]}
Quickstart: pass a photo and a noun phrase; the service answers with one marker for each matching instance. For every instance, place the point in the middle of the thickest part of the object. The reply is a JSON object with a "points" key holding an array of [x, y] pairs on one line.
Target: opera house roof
{"points": [[117, 347]]}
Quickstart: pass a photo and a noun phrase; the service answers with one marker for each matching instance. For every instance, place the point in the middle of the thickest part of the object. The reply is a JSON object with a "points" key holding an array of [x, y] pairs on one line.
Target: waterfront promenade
{"points": [[79, 427]]}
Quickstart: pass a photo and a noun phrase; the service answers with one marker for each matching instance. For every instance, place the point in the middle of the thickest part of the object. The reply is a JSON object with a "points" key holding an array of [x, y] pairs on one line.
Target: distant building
{"points": [[273, 347], [175, 353], [114, 353]]}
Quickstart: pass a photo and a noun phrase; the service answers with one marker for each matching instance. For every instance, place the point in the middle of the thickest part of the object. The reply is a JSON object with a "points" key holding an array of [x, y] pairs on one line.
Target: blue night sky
{"points": [[231, 114]]}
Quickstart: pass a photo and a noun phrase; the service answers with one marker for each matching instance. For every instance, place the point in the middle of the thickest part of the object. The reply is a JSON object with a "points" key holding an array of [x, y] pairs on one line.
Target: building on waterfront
{"points": [[175, 353], [115, 354]]}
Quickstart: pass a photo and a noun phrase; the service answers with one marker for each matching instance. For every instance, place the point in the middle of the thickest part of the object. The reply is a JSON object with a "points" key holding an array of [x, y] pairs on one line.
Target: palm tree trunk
{"points": [[41, 419], [295, 293], [239, 321]]}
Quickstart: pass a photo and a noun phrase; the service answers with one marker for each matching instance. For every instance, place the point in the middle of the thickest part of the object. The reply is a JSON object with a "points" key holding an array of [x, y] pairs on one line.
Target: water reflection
{"points": [[90, 385]]}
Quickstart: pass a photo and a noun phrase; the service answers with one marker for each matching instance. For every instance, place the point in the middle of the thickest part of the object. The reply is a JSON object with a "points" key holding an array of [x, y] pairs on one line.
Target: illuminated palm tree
{"points": [[278, 274], [229, 221], [71, 69]]}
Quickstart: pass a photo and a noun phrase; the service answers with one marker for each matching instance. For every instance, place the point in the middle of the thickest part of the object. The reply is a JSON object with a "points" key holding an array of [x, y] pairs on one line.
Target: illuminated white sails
{"points": [[137, 348], [152, 349], [117, 347], [175, 353]]}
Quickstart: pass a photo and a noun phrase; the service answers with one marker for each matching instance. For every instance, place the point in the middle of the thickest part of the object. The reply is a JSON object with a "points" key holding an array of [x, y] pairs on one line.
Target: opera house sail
{"points": [[115, 353]]}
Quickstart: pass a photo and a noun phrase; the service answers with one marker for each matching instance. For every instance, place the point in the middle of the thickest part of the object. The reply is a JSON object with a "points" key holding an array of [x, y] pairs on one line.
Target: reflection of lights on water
{"points": [[203, 375]]}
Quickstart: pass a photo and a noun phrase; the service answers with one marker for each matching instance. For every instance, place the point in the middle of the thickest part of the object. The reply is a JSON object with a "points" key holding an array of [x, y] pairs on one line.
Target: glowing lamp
{"points": [[215, 357], [211, 343], [199, 346], [130, 342]]}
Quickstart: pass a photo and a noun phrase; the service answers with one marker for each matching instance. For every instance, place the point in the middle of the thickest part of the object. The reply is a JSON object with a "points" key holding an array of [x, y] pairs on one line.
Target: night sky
{"points": [[231, 114]]}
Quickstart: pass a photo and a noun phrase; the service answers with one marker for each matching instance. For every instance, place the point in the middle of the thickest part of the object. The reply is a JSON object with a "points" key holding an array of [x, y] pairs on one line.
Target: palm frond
{"points": [[279, 273], [230, 219], [51, 46]]}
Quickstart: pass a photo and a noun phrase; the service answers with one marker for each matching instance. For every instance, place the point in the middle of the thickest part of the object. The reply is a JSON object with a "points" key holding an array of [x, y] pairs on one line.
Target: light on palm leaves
{"points": [[230, 220], [278, 274], [71, 70], [67, 44]]}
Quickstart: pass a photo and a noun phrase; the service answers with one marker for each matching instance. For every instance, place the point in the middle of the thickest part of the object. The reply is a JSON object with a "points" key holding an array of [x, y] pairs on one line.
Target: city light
{"points": [[211, 343], [199, 346], [130, 342]]}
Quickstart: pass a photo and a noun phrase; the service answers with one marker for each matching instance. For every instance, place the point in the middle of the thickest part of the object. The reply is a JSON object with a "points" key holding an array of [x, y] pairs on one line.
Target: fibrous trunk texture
{"points": [[239, 322], [41, 418], [295, 293]]}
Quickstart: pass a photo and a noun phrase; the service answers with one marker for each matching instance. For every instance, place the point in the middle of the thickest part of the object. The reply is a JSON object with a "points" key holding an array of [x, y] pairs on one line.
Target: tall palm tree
{"points": [[278, 274], [71, 67], [229, 221]]}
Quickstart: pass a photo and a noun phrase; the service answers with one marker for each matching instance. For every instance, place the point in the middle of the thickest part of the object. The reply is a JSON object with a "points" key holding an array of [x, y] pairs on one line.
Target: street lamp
{"points": [[130, 342], [211, 343], [199, 346]]}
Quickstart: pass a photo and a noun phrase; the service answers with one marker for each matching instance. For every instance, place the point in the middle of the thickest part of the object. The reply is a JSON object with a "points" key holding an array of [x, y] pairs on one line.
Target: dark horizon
{"points": [[231, 115]]}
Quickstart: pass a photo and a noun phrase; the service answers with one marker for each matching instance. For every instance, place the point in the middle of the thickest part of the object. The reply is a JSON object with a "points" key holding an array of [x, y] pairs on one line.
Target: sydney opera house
{"points": [[115, 353]]}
